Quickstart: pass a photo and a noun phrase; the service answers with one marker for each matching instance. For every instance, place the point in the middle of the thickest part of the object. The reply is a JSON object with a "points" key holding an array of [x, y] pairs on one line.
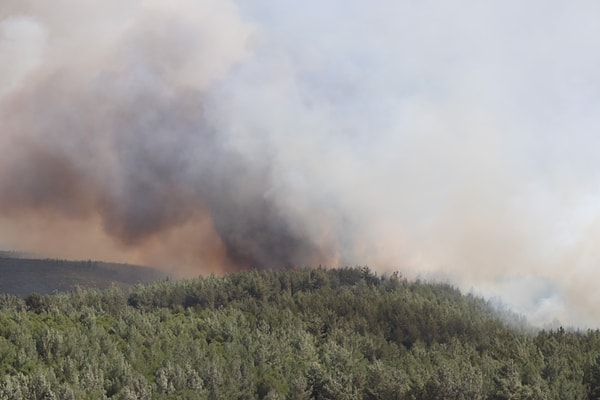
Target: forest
{"points": [[23, 274], [302, 333]]}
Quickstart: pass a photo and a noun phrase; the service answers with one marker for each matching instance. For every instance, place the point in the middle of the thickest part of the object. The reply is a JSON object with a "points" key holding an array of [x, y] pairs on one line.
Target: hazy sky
{"points": [[454, 140]]}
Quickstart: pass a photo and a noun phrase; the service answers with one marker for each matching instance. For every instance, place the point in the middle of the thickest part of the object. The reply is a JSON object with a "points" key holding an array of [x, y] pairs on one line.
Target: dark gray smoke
{"points": [[145, 160], [116, 128]]}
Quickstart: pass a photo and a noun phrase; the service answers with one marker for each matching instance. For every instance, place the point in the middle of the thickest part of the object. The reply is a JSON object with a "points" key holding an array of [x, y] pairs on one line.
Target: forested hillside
{"points": [[295, 334], [24, 274]]}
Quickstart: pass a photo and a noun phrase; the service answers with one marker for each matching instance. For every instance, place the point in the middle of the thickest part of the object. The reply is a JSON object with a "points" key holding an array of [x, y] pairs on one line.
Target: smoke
{"points": [[447, 141]]}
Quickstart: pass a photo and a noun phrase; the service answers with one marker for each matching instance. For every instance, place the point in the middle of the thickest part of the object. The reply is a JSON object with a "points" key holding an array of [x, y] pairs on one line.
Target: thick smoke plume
{"points": [[455, 141]]}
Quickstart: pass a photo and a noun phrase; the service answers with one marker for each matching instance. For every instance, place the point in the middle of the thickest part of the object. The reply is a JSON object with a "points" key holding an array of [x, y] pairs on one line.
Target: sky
{"points": [[452, 141]]}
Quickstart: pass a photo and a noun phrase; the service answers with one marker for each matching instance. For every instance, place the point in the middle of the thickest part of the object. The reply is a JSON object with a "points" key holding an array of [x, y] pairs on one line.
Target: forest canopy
{"points": [[295, 334]]}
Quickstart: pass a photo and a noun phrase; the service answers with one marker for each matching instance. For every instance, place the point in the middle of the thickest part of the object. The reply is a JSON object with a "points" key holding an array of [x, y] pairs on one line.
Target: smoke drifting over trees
{"points": [[208, 136]]}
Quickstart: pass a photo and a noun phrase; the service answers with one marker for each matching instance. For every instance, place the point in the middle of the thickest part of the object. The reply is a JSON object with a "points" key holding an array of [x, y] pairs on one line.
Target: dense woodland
{"points": [[295, 334]]}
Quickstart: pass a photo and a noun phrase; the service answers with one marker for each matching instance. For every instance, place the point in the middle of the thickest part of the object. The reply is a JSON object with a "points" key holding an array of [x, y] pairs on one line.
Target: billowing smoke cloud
{"points": [[107, 123], [453, 141]]}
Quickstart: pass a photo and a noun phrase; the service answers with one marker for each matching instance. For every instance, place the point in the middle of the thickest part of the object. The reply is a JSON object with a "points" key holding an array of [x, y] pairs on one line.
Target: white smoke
{"points": [[452, 140]]}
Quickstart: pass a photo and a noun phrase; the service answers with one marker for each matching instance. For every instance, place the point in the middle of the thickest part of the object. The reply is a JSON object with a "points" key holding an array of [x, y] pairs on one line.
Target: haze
{"points": [[447, 140]]}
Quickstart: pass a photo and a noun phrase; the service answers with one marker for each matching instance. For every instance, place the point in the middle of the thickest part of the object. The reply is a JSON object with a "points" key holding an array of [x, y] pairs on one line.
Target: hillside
{"points": [[295, 334], [21, 274]]}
